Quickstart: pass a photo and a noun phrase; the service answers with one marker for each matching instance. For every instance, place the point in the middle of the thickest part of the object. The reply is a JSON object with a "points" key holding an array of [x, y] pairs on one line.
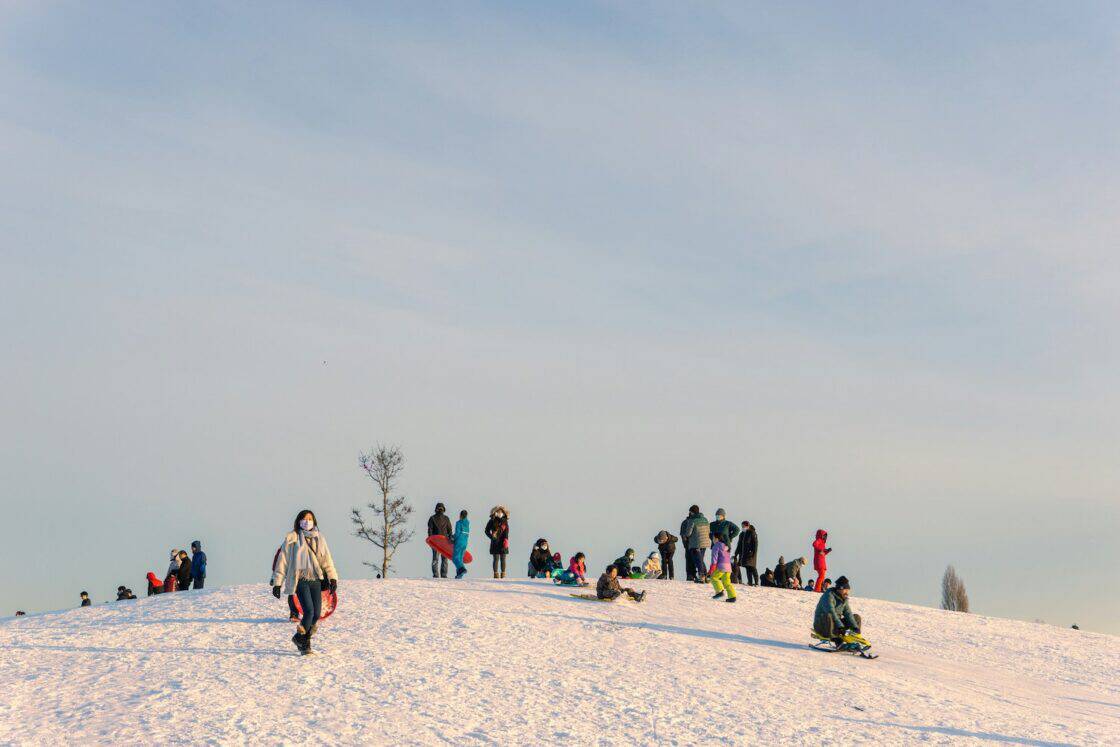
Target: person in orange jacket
{"points": [[820, 562]]}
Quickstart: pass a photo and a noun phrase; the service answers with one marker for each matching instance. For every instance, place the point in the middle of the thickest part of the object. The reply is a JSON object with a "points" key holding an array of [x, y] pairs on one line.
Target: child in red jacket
{"points": [[820, 564]]}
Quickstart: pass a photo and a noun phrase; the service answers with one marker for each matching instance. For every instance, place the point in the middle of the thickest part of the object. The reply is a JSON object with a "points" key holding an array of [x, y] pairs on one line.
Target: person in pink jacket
{"points": [[578, 568], [720, 570], [820, 562]]}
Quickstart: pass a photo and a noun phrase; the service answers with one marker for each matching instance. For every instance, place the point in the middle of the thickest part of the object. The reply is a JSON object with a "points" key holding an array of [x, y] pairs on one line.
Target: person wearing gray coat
{"points": [[697, 537], [792, 572]]}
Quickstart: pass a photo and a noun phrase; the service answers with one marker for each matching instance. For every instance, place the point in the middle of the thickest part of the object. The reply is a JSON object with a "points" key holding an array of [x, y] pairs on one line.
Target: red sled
{"points": [[444, 547], [330, 598], [329, 605]]}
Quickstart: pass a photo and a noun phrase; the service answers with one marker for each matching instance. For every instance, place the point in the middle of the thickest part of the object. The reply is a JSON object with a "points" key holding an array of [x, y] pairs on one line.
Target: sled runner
{"points": [[852, 643]]}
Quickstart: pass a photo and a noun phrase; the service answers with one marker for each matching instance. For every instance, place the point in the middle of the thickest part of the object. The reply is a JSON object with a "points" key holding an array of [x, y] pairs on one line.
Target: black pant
{"points": [[689, 565], [752, 575], [499, 559], [199, 581], [310, 595], [440, 562], [697, 556], [666, 567]]}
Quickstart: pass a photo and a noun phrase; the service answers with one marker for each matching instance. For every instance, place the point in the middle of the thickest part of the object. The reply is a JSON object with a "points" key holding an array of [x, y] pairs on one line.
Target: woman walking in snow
{"points": [[304, 567], [497, 529]]}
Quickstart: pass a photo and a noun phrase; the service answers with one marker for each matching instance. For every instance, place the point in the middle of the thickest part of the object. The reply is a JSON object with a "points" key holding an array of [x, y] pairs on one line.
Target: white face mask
{"points": [[306, 524]]}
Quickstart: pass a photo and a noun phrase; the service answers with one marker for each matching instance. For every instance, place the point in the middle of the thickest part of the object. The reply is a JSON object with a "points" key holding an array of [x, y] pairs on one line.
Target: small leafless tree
{"points": [[953, 595], [387, 528]]}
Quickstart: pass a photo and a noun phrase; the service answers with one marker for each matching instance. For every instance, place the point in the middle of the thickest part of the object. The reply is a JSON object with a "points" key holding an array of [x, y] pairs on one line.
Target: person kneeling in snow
{"points": [[609, 590], [833, 616], [652, 566]]}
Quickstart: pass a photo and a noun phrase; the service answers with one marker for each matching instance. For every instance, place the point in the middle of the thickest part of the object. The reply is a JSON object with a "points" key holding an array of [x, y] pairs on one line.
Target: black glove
{"points": [[333, 585], [276, 591]]}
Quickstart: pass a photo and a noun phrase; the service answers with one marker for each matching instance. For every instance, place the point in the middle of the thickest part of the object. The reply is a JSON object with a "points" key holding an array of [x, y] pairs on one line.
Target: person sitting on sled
{"points": [[833, 616], [608, 589], [652, 566], [540, 560], [576, 575], [625, 562]]}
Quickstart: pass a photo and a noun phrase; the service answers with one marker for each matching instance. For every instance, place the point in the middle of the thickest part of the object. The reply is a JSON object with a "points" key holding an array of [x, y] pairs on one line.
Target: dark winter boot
{"points": [[717, 596], [461, 572], [496, 575], [731, 599], [300, 640]]}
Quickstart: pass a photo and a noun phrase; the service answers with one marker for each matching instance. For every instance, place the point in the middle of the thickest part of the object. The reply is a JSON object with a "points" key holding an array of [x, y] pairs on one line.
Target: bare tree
{"points": [[387, 528], [953, 595]]}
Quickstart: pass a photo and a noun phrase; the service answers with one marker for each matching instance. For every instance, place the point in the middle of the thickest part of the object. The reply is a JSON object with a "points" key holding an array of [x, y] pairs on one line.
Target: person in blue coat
{"points": [[460, 537], [198, 565]]}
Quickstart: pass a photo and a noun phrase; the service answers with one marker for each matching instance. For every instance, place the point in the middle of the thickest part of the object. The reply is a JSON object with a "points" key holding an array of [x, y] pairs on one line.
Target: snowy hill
{"points": [[521, 662]]}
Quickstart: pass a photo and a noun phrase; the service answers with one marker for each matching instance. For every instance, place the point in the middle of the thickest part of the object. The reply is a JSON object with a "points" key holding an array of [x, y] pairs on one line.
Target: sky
{"points": [[850, 268]]}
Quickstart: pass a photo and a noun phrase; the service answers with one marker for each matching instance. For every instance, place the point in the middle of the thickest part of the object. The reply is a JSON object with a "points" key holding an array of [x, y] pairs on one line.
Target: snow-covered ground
{"points": [[522, 662]]}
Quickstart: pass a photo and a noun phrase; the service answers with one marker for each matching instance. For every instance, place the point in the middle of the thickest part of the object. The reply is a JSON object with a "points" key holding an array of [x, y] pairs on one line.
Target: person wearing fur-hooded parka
{"points": [[497, 529]]}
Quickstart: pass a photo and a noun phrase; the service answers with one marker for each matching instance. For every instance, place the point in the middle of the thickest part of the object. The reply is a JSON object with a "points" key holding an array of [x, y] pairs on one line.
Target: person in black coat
{"points": [[184, 571], [746, 556], [667, 546], [689, 561], [439, 526], [497, 529], [540, 560]]}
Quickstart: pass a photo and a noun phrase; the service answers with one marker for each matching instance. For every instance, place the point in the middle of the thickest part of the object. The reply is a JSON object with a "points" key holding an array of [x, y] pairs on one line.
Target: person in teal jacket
{"points": [[460, 537]]}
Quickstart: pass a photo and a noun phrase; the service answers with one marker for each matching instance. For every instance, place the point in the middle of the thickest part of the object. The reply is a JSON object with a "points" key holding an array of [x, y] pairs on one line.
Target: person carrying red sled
{"points": [[303, 568]]}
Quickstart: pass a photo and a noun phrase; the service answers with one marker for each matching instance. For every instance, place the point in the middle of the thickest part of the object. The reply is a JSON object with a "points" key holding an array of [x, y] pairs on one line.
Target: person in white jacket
{"points": [[652, 566], [304, 568]]}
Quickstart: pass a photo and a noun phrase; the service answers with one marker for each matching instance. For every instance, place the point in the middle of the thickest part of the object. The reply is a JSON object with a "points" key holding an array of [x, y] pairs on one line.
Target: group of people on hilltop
{"points": [[304, 568], [699, 535], [182, 571], [496, 530]]}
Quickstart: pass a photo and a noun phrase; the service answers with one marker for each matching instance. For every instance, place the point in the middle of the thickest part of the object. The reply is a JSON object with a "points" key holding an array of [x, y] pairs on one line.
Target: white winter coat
{"points": [[284, 574]]}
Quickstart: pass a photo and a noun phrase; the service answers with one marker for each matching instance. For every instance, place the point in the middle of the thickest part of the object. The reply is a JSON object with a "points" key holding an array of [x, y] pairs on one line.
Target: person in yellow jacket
{"points": [[303, 568], [720, 571]]}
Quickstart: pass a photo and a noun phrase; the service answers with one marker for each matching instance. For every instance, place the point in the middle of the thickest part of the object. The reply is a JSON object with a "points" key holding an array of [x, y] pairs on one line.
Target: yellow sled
{"points": [[853, 643]]}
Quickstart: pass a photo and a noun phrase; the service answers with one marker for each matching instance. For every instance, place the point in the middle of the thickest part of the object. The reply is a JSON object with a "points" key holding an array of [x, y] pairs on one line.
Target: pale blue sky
{"points": [[850, 267]]}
